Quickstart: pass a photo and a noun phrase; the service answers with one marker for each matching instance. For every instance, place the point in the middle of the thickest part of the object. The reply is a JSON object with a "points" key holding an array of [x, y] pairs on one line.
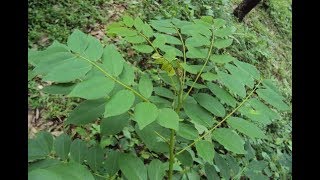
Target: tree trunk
{"points": [[244, 8]]}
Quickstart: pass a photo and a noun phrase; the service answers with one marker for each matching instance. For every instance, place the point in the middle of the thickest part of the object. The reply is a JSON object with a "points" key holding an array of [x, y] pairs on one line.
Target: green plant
{"points": [[195, 107]]}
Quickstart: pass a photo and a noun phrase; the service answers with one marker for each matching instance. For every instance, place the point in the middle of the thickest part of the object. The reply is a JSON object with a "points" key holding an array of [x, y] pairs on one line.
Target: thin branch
{"points": [[184, 55]]}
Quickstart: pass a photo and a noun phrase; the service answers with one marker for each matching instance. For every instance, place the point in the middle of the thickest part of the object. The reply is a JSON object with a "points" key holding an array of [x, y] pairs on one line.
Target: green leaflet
{"points": [[63, 89], [217, 23], [112, 60], [67, 171], [127, 76], [168, 38], [95, 158], [93, 88], [160, 40], [122, 31], [68, 70], [128, 21], [78, 41], [42, 164], [51, 59], [164, 92], [250, 69], [111, 163], [94, 49], [145, 113], [245, 127], [120, 103], [187, 131], [222, 165], [168, 118], [198, 115], [242, 76], [62, 146], [78, 150], [85, 45], [145, 86], [196, 28], [132, 167], [222, 59], [207, 19], [205, 150], [268, 83], [164, 26], [160, 102], [143, 48], [138, 24], [185, 158], [257, 166], [194, 69], [195, 85], [192, 174], [197, 40], [170, 50], [86, 112], [229, 139], [34, 57], [71, 171], [162, 22], [40, 147], [211, 104], [151, 139], [157, 169], [196, 53], [189, 68], [222, 43], [232, 83], [258, 105], [254, 114], [233, 165], [147, 30], [208, 76], [135, 39], [211, 172], [273, 99], [222, 94], [223, 32], [115, 124]]}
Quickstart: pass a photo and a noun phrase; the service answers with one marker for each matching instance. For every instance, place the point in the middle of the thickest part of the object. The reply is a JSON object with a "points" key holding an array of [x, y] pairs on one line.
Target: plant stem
{"points": [[184, 55], [171, 158]]}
